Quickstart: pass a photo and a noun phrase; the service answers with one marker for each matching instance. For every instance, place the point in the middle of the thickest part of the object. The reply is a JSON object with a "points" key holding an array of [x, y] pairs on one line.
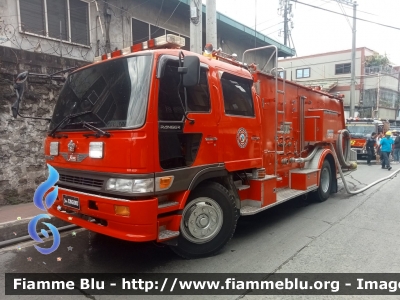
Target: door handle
{"points": [[255, 138], [211, 139]]}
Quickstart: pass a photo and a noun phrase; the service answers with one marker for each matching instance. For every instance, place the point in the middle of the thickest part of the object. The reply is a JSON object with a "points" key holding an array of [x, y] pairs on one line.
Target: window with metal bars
{"points": [[67, 20], [143, 31], [343, 68]]}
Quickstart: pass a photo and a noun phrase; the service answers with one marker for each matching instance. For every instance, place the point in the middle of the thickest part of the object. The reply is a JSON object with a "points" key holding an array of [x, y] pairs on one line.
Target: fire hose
{"points": [[342, 160], [344, 152]]}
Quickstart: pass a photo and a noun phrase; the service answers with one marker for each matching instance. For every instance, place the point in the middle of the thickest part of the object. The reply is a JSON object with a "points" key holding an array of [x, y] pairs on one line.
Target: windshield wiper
{"points": [[98, 131], [71, 116]]}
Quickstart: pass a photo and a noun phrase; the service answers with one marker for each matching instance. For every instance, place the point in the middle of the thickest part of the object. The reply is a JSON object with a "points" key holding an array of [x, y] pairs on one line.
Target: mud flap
{"points": [[334, 188]]}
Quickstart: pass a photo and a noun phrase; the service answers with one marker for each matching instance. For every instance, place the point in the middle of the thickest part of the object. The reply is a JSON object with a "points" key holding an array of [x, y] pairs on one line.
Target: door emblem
{"points": [[241, 137], [71, 146]]}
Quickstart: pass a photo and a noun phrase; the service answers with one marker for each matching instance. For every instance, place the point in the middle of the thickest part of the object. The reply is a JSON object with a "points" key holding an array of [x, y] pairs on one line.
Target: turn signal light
{"points": [[165, 182], [122, 210]]}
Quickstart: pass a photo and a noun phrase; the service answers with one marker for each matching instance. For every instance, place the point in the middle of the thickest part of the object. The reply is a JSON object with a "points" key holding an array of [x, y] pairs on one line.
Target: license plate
{"points": [[72, 157], [71, 201]]}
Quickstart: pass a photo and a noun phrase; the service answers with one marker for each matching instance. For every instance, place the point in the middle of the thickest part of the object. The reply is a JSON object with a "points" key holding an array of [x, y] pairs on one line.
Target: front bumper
{"points": [[140, 226], [359, 150]]}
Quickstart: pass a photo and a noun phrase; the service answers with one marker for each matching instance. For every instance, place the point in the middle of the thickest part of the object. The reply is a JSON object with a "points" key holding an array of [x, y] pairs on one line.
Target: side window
{"points": [[169, 105], [238, 99], [198, 96]]}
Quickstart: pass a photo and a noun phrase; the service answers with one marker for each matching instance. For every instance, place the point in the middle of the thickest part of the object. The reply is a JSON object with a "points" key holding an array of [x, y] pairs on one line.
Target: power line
{"points": [[365, 12], [335, 12], [276, 18], [159, 12], [344, 12], [168, 18], [273, 32], [269, 27]]}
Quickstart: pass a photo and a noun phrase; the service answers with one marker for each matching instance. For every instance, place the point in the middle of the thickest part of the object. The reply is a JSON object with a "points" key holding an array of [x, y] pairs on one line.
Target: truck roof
{"points": [[214, 63]]}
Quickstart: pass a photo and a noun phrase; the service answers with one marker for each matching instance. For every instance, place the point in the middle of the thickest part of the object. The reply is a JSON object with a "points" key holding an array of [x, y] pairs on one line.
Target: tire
{"points": [[208, 221], [325, 183]]}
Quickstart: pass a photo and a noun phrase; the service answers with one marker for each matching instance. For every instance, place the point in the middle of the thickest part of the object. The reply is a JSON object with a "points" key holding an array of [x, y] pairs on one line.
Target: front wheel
{"points": [[208, 221], [325, 183]]}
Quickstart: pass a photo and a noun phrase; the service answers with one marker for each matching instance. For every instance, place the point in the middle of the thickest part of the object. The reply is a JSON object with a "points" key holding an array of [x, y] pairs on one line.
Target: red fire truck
{"points": [[360, 129], [153, 143]]}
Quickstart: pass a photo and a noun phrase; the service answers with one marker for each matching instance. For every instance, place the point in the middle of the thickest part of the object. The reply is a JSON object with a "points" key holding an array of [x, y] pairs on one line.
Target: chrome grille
{"points": [[82, 180]]}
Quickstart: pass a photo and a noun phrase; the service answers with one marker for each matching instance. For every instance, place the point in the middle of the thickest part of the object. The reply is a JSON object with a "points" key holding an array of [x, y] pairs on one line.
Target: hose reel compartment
{"points": [[321, 125]]}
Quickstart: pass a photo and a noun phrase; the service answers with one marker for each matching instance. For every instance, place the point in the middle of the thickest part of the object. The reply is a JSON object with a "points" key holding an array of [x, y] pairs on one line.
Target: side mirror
{"points": [[19, 88], [191, 71]]}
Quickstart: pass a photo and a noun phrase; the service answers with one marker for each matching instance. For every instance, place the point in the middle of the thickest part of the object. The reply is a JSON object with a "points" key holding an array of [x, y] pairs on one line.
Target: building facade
{"points": [[84, 29], [377, 88]]}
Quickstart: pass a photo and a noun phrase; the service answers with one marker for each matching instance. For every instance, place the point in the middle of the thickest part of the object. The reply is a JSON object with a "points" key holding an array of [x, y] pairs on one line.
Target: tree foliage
{"points": [[377, 60]]}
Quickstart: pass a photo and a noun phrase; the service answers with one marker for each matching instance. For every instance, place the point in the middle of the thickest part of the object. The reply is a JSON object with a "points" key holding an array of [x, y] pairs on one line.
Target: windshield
{"points": [[360, 130], [116, 92]]}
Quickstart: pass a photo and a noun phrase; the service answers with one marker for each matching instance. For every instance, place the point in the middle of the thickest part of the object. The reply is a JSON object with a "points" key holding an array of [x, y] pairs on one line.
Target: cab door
{"points": [[240, 125], [204, 113], [192, 141]]}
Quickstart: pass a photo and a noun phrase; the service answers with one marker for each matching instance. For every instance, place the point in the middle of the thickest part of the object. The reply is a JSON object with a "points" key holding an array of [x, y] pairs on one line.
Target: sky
{"points": [[317, 31]]}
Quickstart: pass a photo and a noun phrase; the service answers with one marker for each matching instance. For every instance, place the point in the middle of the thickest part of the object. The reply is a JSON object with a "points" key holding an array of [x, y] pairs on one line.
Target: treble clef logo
{"points": [[49, 201]]}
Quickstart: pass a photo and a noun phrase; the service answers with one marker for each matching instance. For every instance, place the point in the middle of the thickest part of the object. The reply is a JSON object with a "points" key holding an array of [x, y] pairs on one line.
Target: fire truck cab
{"points": [[360, 129], [155, 144]]}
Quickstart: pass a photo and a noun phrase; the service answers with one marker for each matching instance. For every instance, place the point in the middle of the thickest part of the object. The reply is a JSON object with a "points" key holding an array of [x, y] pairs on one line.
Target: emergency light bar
{"points": [[369, 120], [165, 41]]}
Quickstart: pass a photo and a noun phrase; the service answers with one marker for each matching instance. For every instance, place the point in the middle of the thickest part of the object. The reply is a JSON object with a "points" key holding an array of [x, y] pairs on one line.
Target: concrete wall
{"points": [[387, 114], [321, 66], [22, 164]]}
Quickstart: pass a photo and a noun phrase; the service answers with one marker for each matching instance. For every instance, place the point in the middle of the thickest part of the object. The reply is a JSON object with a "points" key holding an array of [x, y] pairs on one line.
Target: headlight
{"points": [[54, 148], [131, 185], [96, 149]]}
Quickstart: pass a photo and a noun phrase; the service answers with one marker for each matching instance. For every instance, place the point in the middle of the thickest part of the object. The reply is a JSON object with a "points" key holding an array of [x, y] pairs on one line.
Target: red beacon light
{"points": [[170, 41], [116, 53]]}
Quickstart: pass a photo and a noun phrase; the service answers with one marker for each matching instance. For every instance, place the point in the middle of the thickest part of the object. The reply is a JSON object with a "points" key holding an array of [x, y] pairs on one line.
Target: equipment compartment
{"points": [[321, 125], [303, 179]]}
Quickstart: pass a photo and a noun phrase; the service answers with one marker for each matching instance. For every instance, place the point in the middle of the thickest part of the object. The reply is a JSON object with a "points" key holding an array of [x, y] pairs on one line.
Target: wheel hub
{"points": [[325, 180], [201, 220]]}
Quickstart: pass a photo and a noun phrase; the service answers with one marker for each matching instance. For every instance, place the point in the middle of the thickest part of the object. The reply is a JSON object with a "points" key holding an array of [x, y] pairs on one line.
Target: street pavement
{"points": [[347, 233]]}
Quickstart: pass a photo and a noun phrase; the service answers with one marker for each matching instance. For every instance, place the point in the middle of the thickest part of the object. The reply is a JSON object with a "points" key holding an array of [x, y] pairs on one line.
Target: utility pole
{"points": [[353, 63], [398, 99], [211, 26], [376, 114], [353, 56], [107, 17], [255, 23], [285, 25], [196, 31], [60, 39], [285, 10]]}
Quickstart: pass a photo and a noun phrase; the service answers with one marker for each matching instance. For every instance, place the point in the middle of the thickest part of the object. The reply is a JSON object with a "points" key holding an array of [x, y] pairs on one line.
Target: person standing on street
{"points": [[386, 147], [396, 150], [378, 150], [370, 147]]}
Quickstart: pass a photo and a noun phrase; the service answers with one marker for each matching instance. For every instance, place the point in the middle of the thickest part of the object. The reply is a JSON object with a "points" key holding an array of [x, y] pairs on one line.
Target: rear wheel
{"points": [[208, 221], [325, 183]]}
